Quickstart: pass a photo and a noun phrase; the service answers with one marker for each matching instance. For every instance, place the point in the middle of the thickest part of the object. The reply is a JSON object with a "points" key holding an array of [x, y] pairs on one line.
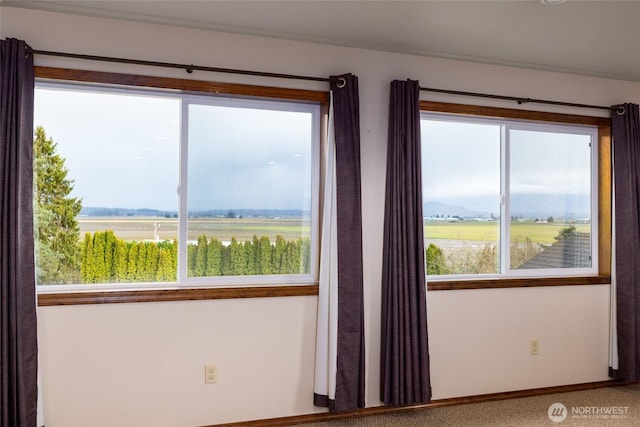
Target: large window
{"points": [[507, 198], [150, 188]]}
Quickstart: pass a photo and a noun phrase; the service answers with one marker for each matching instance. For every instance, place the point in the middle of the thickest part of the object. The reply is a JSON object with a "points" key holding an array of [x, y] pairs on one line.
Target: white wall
{"points": [[141, 364], [479, 339]]}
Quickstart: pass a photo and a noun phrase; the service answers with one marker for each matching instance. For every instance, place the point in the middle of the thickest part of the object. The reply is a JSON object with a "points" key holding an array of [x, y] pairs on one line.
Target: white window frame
{"points": [[227, 281], [504, 233], [186, 99]]}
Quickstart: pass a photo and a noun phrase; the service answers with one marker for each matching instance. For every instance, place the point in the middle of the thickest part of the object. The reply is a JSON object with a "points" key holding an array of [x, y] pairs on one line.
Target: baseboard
{"points": [[380, 410]]}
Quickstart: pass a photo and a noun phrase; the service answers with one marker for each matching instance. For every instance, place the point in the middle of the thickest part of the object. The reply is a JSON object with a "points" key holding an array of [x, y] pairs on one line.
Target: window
{"points": [[147, 187], [510, 197]]}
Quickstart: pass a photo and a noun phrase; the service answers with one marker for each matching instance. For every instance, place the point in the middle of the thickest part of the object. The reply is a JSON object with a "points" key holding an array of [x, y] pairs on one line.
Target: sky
{"points": [[461, 162], [122, 150], [271, 152]]}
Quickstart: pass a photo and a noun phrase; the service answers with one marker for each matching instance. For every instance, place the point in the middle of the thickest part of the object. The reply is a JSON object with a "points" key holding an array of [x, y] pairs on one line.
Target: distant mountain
{"points": [[432, 209], [212, 213], [525, 205], [249, 213], [556, 205], [98, 211]]}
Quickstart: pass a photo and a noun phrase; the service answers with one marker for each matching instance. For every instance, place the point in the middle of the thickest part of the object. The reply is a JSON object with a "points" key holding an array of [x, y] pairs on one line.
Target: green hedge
{"points": [[108, 259]]}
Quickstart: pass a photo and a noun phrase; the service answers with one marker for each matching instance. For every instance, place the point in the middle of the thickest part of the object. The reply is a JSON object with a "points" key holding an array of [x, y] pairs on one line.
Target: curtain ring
{"points": [[621, 110], [189, 69], [342, 82]]}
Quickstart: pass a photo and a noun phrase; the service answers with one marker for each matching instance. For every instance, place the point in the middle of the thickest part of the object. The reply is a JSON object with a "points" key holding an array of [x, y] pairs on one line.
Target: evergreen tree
{"points": [[305, 254], [86, 272], [200, 268], [278, 255], [141, 263], [255, 245], [435, 260], [236, 258], [98, 267], [264, 256], [249, 257], [291, 258], [110, 241], [164, 272], [192, 252], [132, 262], [120, 261], [151, 266], [167, 261], [58, 234], [225, 261], [174, 260], [214, 257]]}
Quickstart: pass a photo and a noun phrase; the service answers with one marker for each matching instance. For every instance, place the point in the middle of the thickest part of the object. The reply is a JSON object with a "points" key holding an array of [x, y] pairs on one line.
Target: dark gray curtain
{"points": [[346, 115], [350, 380], [18, 335], [405, 352], [348, 392], [625, 123]]}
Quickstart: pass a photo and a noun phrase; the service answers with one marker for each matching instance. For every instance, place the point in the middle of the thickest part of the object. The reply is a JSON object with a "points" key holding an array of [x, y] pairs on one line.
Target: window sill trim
{"points": [[165, 295], [452, 285]]}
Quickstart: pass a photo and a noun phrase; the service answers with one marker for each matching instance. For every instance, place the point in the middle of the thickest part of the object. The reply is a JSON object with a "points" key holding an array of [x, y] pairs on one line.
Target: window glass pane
{"points": [[105, 202], [550, 200], [461, 197], [249, 190]]}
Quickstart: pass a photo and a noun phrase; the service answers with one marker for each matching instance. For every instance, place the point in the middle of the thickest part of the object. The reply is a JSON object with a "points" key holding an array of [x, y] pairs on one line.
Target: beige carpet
{"points": [[607, 407]]}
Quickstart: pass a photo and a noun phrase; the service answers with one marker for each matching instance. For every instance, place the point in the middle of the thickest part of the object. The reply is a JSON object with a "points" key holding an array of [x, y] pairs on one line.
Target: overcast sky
{"points": [[461, 162], [123, 151]]}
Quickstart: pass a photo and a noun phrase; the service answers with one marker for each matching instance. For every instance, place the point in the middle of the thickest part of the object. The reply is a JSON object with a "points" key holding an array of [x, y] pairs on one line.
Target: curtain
{"points": [[404, 344], [625, 124], [18, 334], [613, 292], [339, 374]]}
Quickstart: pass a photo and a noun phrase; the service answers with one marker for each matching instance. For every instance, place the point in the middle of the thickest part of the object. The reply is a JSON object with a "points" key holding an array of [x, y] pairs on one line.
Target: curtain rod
{"points": [[190, 68], [618, 109]]}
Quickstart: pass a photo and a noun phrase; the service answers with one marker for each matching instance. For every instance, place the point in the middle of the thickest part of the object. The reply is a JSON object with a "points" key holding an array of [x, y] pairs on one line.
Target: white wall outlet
{"points": [[210, 374], [534, 347]]}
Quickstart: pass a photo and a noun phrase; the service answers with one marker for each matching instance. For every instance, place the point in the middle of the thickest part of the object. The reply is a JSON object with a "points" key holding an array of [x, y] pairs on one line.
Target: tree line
{"points": [[107, 259], [252, 257]]}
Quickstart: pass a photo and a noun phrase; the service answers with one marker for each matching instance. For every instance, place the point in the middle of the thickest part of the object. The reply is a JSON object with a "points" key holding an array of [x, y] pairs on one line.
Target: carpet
{"points": [[602, 407]]}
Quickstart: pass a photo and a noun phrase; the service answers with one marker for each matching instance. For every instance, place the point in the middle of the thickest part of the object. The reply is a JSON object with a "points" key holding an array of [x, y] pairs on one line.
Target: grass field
{"points": [[142, 228], [540, 232]]}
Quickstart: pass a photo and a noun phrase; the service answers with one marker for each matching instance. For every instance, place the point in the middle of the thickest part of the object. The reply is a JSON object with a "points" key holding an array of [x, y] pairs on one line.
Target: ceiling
{"points": [[596, 38]]}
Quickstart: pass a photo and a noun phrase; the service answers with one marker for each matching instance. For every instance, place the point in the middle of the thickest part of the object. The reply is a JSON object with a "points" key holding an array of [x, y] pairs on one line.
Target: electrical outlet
{"points": [[210, 374], [534, 347]]}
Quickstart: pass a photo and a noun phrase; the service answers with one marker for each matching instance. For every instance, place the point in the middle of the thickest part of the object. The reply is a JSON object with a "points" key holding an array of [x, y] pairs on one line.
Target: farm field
{"points": [[142, 228], [489, 231]]}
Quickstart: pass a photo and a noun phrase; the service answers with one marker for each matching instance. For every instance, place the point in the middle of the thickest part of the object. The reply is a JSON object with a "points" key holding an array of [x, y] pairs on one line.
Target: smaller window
{"points": [[508, 198]]}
